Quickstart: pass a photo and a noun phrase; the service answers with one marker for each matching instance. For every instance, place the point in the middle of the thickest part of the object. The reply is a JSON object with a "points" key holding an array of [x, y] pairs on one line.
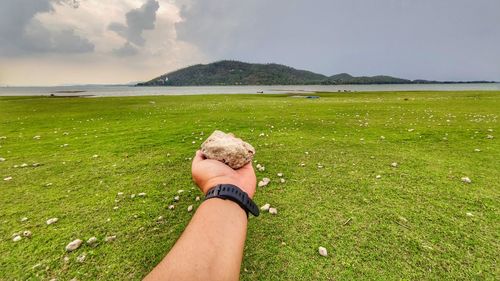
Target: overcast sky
{"points": [[51, 42]]}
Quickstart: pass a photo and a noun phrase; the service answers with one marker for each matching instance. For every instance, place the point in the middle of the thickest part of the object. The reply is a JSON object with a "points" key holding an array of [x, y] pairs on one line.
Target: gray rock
{"points": [[228, 149], [75, 244]]}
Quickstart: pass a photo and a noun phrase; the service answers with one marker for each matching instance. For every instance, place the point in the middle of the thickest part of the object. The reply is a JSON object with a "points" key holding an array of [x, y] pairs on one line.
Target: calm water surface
{"points": [[105, 91]]}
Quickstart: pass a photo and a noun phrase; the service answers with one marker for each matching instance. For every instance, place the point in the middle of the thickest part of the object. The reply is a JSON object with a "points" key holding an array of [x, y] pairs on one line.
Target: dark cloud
{"points": [[137, 20], [445, 39], [126, 50], [21, 34]]}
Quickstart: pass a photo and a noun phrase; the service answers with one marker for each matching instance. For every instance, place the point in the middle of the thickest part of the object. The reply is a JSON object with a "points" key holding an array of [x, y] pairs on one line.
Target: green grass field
{"points": [[418, 221]]}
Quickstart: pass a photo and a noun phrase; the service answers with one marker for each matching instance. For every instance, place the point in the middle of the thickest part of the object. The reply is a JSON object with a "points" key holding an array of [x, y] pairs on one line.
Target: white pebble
{"points": [[92, 241], [469, 214], [95, 156], [378, 177], [466, 179], [273, 211], [81, 258], [110, 238], [282, 180], [27, 233], [280, 175], [24, 219], [176, 198], [394, 164], [180, 191], [120, 193], [323, 252], [171, 207], [190, 208], [197, 198], [74, 245], [264, 182], [142, 194], [477, 150], [7, 179], [2, 159], [52, 220], [17, 238], [266, 207]]}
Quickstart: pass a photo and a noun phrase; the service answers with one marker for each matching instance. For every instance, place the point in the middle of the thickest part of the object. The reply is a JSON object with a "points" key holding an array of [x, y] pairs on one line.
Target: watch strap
{"points": [[235, 194]]}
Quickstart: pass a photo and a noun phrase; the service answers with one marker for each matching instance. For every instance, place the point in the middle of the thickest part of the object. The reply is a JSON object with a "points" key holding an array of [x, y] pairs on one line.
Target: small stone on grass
{"points": [[75, 244], [323, 252]]}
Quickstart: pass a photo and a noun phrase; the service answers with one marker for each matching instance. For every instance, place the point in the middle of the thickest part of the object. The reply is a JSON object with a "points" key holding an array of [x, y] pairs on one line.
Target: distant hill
{"points": [[226, 73]]}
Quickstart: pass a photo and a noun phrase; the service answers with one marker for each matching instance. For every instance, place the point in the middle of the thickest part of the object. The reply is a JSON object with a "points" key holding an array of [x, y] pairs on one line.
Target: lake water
{"points": [[105, 91]]}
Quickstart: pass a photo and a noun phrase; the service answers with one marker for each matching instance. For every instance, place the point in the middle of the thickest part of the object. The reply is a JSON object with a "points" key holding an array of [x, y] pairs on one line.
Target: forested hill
{"points": [[225, 73]]}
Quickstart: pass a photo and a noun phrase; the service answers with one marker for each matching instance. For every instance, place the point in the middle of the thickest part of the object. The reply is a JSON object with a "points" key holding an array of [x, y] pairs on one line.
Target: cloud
{"points": [[21, 33], [126, 50], [446, 39], [137, 20]]}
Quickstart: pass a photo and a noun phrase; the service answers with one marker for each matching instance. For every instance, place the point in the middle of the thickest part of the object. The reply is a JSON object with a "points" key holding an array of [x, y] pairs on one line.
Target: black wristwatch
{"points": [[235, 194]]}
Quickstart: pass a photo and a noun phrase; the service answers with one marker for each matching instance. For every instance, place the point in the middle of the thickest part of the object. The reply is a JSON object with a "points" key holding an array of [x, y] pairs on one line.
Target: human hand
{"points": [[208, 173]]}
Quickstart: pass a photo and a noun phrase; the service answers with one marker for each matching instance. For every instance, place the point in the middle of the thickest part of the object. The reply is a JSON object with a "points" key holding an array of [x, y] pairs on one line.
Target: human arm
{"points": [[211, 246]]}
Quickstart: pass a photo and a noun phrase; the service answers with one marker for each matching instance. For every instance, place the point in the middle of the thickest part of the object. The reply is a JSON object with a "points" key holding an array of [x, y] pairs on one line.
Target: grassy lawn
{"points": [[418, 221]]}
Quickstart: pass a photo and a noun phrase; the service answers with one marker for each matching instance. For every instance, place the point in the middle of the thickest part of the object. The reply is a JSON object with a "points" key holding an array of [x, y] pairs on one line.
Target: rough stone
{"points": [[323, 252], [27, 233], [228, 149], [74, 245]]}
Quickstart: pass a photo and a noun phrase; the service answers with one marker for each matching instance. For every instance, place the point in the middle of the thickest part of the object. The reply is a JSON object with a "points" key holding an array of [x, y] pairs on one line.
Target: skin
{"points": [[211, 246]]}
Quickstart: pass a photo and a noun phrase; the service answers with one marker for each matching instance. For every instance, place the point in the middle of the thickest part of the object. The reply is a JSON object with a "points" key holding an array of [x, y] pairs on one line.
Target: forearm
{"points": [[211, 247]]}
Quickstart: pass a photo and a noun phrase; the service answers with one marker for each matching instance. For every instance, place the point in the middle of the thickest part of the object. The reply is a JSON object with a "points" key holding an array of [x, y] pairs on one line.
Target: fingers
{"points": [[247, 168], [198, 157]]}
